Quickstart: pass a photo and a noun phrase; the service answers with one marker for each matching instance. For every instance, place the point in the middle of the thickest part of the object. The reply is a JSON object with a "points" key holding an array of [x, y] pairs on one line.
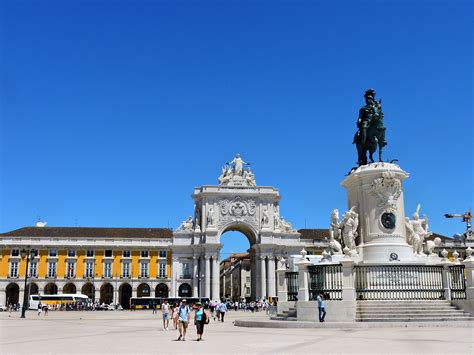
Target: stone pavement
{"points": [[140, 332]]}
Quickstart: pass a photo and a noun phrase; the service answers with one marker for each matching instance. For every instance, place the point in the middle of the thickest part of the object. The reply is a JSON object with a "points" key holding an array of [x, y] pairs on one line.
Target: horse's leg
{"points": [[371, 155], [380, 152]]}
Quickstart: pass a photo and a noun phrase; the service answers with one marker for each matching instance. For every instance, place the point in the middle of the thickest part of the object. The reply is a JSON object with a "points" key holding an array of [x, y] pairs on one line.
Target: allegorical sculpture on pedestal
{"points": [[417, 231], [345, 231], [234, 174], [371, 132]]}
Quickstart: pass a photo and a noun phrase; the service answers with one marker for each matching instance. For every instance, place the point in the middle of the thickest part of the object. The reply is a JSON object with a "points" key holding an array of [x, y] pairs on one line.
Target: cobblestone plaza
{"points": [[141, 332]]}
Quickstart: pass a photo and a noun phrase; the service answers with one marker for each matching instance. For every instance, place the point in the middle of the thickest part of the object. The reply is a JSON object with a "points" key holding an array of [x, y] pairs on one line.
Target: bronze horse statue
{"points": [[374, 136]]}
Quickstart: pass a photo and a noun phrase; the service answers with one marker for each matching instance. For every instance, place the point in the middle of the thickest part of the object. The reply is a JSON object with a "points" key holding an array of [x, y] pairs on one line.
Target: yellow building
{"points": [[106, 264]]}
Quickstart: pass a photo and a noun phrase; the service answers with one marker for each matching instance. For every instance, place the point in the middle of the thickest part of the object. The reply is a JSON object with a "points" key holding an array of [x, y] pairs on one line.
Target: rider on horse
{"points": [[371, 132]]}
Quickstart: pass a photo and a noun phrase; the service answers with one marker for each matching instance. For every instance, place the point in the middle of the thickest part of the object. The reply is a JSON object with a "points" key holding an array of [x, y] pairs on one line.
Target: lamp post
{"points": [[26, 253]]}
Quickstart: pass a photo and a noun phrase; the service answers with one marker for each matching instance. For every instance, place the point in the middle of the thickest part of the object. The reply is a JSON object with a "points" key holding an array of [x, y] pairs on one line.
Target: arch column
{"points": [[263, 277], [271, 290], [215, 278], [207, 277], [195, 276], [174, 278]]}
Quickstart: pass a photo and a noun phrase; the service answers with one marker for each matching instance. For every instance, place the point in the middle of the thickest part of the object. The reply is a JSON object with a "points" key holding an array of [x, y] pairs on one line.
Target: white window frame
{"points": [[87, 269], [52, 266], [162, 270], [142, 252], [33, 271], [70, 269], [13, 272], [164, 252], [144, 266], [108, 267], [126, 270]]}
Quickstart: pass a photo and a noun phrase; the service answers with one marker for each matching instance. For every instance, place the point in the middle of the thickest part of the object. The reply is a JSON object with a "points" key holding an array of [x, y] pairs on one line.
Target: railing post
{"points": [[469, 265], [348, 288], [446, 275], [282, 291], [303, 276]]}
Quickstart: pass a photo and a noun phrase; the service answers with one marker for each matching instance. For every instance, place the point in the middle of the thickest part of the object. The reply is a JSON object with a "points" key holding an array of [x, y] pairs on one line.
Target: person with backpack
{"points": [[200, 318], [183, 315]]}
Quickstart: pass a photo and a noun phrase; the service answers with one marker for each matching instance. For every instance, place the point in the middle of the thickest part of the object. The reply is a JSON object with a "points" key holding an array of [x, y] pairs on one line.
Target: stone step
{"points": [[277, 317], [388, 308], [405, 302], [417, 316], [432, 319]]}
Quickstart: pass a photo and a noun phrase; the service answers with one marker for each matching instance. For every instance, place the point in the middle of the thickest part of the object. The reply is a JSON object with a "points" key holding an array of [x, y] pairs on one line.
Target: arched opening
{"points": [[33, 289], [89, 290], [184, 290], [143, 290], [125, 293], [106, 293], [69, 288], [51, 289], [235, 268], [12, 294], [161, 291]]}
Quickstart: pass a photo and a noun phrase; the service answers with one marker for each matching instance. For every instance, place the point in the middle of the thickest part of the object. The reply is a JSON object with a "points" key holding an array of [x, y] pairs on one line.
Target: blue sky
{"points": [[112, 111]]}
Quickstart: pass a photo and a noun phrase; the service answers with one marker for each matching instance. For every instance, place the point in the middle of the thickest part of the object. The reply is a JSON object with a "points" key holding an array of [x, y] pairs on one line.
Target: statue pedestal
{"points": [[375, 190]]}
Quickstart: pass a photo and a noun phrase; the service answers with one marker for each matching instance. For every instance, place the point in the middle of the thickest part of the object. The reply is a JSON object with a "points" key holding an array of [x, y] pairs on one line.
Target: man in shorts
{"points": [[165, 310], [183, 316]]}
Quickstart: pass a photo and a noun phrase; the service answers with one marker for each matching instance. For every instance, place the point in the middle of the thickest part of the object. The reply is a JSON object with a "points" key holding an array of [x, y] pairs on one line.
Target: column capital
{"points": [[207, 257]]}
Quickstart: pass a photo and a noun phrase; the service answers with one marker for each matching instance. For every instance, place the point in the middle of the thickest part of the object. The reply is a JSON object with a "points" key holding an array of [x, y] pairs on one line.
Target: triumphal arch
{"points": [[237, 203]]}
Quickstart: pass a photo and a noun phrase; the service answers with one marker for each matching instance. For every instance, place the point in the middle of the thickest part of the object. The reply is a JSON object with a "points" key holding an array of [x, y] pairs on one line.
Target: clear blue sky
{"points": [[112, 111]]}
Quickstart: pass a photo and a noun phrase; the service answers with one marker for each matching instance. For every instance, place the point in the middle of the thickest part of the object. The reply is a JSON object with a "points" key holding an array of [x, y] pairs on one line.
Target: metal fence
{"points": [[399, 282], [457, 282], [326, 279], [292, 285]]}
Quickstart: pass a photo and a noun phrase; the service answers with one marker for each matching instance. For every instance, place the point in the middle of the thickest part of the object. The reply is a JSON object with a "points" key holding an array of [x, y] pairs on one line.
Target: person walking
{"points": [[165, 310], [183, 313], [200, 318], [154, 307], [222, 310], [175, 316], [321, 307], [40, 308]]}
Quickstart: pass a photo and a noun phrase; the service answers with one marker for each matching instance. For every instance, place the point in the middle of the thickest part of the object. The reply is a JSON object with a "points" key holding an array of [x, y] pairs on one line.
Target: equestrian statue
{"points": [[371, 132]]}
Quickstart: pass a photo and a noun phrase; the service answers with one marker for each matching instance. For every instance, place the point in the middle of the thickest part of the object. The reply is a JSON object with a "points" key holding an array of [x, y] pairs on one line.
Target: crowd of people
{"points": [[180, 314]]}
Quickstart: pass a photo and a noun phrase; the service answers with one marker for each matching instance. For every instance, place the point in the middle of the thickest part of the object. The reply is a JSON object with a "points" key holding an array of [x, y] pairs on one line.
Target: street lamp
{"points": [[26, 253]]}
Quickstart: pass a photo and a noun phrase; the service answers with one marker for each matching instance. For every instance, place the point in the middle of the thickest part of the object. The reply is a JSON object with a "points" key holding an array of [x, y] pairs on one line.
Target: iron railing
{"points": [[326, 279], [399, 282], [292, 285], [457, 282]]}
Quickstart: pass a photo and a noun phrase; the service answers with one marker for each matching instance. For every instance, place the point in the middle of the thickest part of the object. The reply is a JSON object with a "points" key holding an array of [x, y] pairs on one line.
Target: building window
{"points": [[89, 269], [162, 270], [14, 269], [33, 269], [71, 253], [186, 273], [53, 252], [52, 269], [15, 252], [144, 253], [90, 253], [108, 270], [35, 252], [108, 253], [126, 270], [162, 253], [70, 269], [144, 270], [126, 253]]}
